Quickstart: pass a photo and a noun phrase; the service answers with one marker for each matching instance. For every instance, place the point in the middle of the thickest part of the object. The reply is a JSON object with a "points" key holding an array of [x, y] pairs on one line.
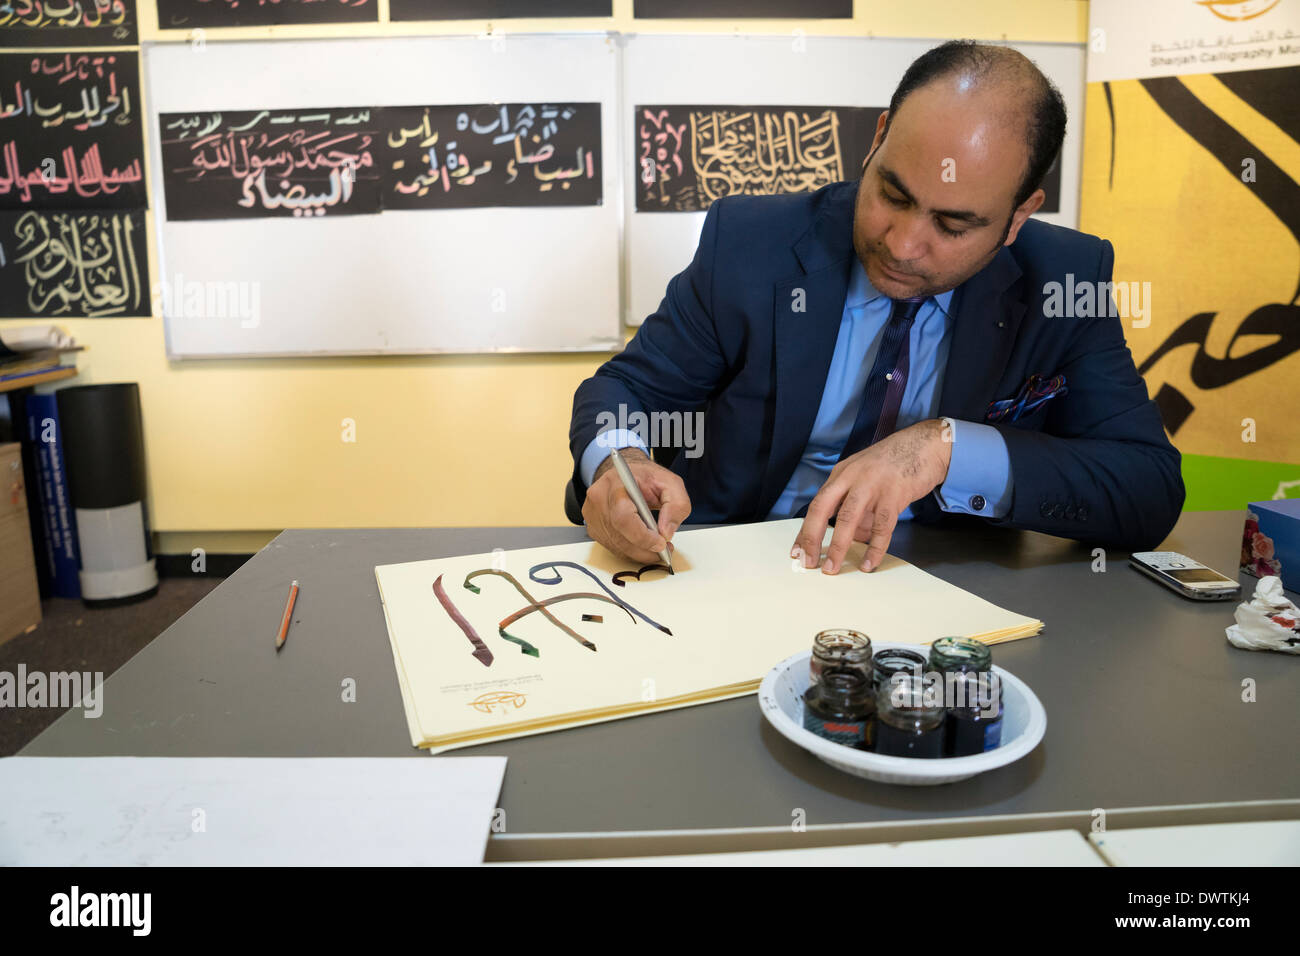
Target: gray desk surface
{"points": [[1143, 693]]}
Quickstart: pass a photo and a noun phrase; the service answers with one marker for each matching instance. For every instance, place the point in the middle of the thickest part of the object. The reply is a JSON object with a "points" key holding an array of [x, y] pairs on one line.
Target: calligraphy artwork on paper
{"points": [[548, 573], [68, 23], [70, 131], [499, 154], [241, 164], [688, 156], [188, 14], [85, 264]]}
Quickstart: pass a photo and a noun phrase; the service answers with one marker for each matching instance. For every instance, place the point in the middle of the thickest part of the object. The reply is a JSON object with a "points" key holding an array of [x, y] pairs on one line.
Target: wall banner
{"points": [[1192, 169]]}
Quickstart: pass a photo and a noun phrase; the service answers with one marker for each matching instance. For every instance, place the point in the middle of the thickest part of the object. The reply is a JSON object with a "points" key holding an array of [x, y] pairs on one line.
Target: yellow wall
{"points": [[256, 445]]}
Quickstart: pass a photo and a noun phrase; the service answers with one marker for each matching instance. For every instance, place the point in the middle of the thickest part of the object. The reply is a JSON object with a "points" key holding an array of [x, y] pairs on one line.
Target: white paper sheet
{"points": [[257, 811]]}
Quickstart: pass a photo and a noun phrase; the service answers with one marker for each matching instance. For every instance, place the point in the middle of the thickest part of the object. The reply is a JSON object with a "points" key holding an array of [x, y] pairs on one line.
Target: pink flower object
{"points": [[1265, 568], [1261, 546], [1247, 553]]}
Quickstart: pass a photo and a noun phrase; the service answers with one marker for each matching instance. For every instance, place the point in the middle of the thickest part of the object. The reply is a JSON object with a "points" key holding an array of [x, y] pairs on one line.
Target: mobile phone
{"points": [[1190, 578]]}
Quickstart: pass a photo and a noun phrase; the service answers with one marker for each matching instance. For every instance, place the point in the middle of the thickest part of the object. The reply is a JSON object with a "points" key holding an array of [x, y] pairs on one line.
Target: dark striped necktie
{"points": [[884, 392]]}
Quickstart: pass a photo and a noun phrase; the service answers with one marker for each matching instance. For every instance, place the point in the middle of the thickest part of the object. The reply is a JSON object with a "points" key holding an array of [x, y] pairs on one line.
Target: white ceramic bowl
{"points": [[1024, 722]]}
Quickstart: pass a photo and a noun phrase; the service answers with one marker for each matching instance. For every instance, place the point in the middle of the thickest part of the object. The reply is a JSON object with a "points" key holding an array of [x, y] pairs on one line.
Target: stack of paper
{"points": [[737, 606], [33, 338]]}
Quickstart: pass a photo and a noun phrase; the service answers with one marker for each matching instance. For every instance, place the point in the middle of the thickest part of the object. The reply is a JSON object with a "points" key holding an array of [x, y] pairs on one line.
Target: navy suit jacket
{"points": [[1092, 464]]}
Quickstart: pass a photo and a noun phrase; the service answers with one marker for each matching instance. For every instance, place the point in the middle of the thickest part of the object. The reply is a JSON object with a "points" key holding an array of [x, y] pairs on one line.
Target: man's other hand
{"points": [[866, 492], [611, 515]]}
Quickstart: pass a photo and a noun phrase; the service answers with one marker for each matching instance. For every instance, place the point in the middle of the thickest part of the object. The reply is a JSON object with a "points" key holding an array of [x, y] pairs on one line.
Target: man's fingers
{"points": [[613, 520], [665, 492], [632, 552], [674, 508], [635, 550], [626, 521], [882, 530], [808, 542], [855, 504]]}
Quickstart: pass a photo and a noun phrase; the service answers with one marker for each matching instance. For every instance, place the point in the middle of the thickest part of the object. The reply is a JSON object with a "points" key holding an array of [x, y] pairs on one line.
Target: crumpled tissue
{"points": [[1268, 621]]}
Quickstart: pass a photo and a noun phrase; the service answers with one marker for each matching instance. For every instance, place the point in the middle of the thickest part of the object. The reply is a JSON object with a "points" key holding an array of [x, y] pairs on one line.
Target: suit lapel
{"points": [[980, 347], [986, 319], [804, 342]]}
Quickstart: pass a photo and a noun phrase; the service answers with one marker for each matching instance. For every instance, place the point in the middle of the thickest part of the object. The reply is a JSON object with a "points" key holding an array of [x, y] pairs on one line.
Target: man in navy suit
{"points": [[893, 348]]}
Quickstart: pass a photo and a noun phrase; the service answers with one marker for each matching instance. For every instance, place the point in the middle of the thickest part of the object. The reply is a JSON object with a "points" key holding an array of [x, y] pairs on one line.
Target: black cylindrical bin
{"points": [[103, 439]]}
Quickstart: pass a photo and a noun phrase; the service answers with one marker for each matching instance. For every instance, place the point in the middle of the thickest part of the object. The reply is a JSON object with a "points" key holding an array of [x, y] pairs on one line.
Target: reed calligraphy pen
{"points": [[638, 499]]}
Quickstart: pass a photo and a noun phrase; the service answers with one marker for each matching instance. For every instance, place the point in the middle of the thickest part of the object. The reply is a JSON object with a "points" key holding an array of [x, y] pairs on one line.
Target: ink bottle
{"points": [[959, 654], [839, 707], [977, 726], [842, 648], [909, 717], [972, 693], [885, 664]]}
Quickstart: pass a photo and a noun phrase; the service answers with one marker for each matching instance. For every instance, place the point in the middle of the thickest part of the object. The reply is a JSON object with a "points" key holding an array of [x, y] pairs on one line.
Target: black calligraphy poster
{"points": [[245, 164], [82, 264], [187, 14], [67, 23], [688, 156], [512, 154], [70, 131], [744, 9], [494, 9]]}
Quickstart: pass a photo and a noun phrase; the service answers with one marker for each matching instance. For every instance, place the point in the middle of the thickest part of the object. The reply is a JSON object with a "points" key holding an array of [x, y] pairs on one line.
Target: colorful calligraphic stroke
{"points": [[536, 605], [533, 575], [481, 652]]}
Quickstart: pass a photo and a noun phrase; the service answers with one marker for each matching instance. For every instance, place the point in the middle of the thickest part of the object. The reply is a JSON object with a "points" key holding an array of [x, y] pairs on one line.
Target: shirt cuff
{"points": [[979, 473], [598, 450]]}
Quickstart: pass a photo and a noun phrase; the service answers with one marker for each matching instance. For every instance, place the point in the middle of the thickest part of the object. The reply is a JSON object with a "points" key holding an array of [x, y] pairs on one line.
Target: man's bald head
{"points": [[1027, 101]]}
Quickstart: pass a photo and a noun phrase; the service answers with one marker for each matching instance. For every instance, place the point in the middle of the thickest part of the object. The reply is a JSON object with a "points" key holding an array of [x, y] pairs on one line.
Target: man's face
{"points": [[936, 199]]}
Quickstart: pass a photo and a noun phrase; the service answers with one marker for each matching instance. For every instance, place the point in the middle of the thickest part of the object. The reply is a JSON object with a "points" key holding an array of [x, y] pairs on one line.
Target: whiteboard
{"points": [[537, 279], [794, 70]]}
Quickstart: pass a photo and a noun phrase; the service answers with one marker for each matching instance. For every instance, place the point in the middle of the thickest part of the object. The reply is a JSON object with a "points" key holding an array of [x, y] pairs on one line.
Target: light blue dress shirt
{"points": [[979, 475]]}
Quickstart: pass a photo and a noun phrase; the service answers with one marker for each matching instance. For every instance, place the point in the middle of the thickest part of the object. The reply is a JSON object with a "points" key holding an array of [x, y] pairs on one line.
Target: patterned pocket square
{"points": [[1036, 391]]}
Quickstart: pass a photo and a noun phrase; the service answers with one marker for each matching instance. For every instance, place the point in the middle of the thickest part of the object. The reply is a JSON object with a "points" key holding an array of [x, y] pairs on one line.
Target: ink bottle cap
{"points": [[840, 648], [958, 654], [885, 664]]}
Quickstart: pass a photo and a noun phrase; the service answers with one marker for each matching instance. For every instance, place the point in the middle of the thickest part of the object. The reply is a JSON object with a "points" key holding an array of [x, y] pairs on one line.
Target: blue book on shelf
{"points": [[58, 520]]}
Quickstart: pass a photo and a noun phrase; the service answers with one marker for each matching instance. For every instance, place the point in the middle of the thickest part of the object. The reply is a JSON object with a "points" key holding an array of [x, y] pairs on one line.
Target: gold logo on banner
{"points": [[1237, 10]]}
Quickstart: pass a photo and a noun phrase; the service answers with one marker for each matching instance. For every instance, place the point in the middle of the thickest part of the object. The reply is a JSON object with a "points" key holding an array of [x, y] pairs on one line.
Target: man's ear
{"points": [[881, 123], [1023, 212]]}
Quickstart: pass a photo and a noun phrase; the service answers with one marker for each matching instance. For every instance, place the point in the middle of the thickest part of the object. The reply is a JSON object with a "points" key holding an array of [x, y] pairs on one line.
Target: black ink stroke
{"points": [[533, 575]]}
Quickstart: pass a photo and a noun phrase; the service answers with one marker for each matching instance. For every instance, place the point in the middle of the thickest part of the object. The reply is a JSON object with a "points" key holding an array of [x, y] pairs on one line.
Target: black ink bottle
{"points": [[909, 717], [973, 695], [977, 727], [839, 707]]}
